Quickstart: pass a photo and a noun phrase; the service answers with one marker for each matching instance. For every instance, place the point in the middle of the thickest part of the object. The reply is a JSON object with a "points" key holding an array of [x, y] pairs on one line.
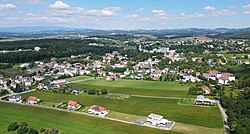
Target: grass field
{"points": [[239, 56], [169, 108], [68, 123], [138, 87], [78, 78]]}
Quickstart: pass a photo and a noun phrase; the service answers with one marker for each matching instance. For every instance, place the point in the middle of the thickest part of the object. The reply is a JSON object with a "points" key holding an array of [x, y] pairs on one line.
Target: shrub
{"points": [[104, 91], [42, 130], [32, 131], [23, 124], [22, 130], [13, 126]]}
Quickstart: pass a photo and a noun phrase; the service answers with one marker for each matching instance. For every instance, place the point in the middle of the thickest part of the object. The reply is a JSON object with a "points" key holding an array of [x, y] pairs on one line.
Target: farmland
{"points": [[169, 108], [152, 88]]}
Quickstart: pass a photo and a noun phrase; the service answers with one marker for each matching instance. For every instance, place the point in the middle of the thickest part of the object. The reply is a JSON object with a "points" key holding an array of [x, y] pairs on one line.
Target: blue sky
{"points": [[126, 14]]}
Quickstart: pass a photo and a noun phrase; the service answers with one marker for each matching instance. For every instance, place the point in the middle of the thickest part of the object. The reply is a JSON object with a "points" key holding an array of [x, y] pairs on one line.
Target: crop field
{"points": [[137, 87], [195, 115], [68, 123]]}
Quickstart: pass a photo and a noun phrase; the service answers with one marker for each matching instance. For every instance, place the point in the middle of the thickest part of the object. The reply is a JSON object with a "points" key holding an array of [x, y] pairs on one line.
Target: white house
{"points": [[98, 110], [223, 80], [157, 120], [33, 100], [15, 98], [73, 105], [201, 100]]}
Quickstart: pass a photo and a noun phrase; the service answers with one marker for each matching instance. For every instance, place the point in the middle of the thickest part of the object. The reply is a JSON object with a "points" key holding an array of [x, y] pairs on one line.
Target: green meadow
{"points": [[68, 123], [136, 87], [195, 115]]}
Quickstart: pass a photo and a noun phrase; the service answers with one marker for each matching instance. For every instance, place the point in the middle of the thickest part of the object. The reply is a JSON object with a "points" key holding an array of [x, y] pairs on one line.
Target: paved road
{"points": [[17, 93], [224, 116], [81, 80]]}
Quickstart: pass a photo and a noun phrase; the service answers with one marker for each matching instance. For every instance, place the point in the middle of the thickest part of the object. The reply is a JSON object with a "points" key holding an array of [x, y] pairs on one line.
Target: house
{"points": [[188, 70], [209, 76], [15, 98], [223, 80], [4, 81], [40, 86], [27, 83], [216, 73], [13, 84], [157, 120], [2, 88], [206, 90], [77, 91], [33, 100], [98, 110], [230, 76], [1, 76], [201, 100], [73, 105]]}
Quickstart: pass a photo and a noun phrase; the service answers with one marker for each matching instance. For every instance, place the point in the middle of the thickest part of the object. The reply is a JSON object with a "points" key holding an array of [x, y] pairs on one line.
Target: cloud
{"points": [[209, 8], [246, 9], [30, 1], [159, 14], [190, 16], [59, 5], [140, 10], [223, 12], [7, 6], [62, 9]]}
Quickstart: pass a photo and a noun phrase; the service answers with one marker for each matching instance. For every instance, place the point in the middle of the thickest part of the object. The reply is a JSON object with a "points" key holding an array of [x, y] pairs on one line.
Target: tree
{"points": [[13, 126]]}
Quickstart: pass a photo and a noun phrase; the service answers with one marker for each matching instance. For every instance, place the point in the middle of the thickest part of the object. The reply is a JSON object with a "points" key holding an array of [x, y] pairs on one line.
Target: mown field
{"points": [[138, 87], [68, 123], [239, 56], [195, 115]]}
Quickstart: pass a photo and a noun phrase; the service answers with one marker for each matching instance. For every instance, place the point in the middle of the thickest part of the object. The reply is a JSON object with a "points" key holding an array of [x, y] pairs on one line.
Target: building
{"points": [[15, 98], [206, 90], [98, 110], [73, 105], [33, 100], [201, 100], [157, 120]]}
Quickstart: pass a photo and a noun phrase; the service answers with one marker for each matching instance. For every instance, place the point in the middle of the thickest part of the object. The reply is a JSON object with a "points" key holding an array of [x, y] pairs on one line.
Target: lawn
{"points": [[239, 56], [78, 78], [68, 123], [169, 108], [138, 87]]}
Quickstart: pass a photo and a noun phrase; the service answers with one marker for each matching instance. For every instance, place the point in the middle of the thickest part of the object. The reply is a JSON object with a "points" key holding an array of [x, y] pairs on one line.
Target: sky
{"points": [[126, 14]]}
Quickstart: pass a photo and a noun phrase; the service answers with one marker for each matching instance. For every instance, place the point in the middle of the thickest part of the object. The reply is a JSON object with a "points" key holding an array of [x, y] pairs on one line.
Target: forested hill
{"points": [[49, 48]]}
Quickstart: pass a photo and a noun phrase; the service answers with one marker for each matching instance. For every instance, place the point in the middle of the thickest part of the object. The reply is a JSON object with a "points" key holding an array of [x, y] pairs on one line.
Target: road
{"points": [[12, 93], [224, 116]]}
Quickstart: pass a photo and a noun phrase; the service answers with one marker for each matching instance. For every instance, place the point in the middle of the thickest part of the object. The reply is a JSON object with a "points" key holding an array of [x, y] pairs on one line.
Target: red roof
{"points": [[206, 89], [228, 74], [98, 108], [223, 78], [40, 84], [208, 74], [5, 79], [73, 103], [2, 88], [32, 98], [215, 71]]}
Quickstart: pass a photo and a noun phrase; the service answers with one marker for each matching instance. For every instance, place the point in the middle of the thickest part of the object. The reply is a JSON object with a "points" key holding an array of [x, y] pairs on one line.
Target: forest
{"points": [[49, 48]]}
